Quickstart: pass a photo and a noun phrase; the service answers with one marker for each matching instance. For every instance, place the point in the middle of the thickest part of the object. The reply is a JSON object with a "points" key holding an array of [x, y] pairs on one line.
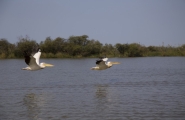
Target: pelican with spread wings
{"points": [[32, 60], [102, 64]]}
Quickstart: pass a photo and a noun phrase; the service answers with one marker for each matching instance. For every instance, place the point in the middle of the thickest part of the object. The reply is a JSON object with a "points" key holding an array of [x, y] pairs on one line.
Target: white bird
{"points": [[102, 64], [32, 60]]}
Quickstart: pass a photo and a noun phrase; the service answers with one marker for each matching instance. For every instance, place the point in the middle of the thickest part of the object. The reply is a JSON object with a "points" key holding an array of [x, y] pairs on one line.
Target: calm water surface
{"points": [[151, 88]]}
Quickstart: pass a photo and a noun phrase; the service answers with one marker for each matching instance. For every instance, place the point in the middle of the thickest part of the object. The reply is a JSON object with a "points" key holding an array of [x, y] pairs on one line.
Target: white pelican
{"points": [[32, 60], [102, 64]]}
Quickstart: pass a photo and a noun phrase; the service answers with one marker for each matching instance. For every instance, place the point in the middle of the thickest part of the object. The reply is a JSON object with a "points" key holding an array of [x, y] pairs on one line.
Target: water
{"points": [[151, 88]]}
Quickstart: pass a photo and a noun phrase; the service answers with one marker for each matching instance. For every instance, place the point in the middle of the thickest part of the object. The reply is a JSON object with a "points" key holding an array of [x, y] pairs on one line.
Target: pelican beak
{"points": [[115, 63], [48, 65]]}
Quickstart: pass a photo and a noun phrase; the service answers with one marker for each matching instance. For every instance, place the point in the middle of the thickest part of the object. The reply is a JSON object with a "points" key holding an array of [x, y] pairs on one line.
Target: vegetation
{"points": [[81, 46]]}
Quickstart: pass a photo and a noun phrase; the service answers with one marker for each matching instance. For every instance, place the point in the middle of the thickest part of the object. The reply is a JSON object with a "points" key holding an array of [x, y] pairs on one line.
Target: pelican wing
{"points": [[31, 62], [36, 53], [105, 59], [33, 65], [101, 64], [37, 56]]}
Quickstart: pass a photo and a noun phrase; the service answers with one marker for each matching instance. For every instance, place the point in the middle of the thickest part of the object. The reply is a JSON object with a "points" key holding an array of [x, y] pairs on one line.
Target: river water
{"points": [[148, 88]]}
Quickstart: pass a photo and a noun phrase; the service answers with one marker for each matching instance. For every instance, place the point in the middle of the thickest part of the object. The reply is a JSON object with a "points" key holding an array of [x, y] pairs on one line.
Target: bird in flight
{"points": [[32, 60], [102, 64]]}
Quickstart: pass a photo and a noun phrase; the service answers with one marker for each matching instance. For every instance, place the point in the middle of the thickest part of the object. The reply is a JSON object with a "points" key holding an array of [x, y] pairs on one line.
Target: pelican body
{"points": [[102, 64], [32, 60]]}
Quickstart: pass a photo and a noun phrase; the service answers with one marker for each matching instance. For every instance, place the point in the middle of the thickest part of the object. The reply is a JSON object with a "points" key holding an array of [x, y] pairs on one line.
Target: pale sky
{"points": [[148, 22]]}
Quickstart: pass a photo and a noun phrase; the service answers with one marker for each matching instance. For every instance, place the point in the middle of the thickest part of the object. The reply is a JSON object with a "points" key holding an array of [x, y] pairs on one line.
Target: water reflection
{"points": [[101, 91], [101, 96], [34, 103]]}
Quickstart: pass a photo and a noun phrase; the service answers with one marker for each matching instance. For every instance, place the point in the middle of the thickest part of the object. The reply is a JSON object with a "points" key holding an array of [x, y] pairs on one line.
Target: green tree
{"points": [[135, 50], [24, 44], [123, 49], [108, 50], [4, 51]]}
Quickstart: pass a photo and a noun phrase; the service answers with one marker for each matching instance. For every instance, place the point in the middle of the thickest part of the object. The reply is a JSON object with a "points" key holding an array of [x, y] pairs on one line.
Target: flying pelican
{"points": [[32, 60], [102, 64]]}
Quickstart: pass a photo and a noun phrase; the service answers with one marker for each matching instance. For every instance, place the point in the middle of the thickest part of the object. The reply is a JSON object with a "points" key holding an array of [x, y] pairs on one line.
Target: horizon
{"points": [[28, 38]]}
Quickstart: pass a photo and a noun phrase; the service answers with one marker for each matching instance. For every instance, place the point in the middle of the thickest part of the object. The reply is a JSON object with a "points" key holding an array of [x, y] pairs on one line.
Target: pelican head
{"points": [[109, 64], [43, 65]]}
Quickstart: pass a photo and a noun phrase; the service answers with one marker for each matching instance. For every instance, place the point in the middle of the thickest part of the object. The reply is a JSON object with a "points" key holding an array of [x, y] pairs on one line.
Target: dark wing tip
{"points": [[98, 61], [27, 57]]}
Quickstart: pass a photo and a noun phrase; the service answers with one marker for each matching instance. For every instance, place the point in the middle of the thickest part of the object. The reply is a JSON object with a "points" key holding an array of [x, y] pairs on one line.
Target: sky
{"points": [[147, 22]]}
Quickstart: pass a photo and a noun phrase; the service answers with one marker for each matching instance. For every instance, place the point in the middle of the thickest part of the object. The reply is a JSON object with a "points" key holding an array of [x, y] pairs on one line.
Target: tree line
{"points": [[81, 46]]}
